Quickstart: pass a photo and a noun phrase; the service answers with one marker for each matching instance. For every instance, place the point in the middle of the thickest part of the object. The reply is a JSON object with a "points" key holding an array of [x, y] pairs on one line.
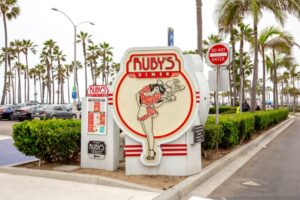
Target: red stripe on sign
{"points": [[110, 95], [134, 150], [110, 99], [197, 96], [197, 101], [131, 155], [173, 145], [173, 150], [132, 145], [174, 154], [197, 92]]}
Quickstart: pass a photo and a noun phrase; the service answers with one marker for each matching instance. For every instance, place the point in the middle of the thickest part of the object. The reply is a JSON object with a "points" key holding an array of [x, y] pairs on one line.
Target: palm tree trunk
{"points": [[232, 41], [62, 92], [241, 71], [5, 60], [255, 67], [28, 86], [53, 82], [25, 84], [15, 87], [58, 92], [275, 81], [35, 92], [69, 101], [85, 66], [264, 80], [199, 27], [19, 86]]}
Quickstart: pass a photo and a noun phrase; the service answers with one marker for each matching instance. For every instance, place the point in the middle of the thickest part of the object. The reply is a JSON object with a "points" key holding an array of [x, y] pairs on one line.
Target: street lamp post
{"points": [[75, 50]]}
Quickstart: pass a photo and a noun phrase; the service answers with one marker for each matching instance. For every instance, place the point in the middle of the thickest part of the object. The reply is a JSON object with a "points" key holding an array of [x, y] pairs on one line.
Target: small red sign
{"points": [[218, 54], [97, 91]]}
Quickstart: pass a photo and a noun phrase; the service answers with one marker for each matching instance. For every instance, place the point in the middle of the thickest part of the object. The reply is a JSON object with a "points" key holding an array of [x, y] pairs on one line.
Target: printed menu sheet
{"points": [[97, 111]]}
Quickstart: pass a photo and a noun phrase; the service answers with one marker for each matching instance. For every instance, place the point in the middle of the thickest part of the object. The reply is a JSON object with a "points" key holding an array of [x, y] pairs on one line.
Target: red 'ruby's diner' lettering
{"points": [[153, 63]]}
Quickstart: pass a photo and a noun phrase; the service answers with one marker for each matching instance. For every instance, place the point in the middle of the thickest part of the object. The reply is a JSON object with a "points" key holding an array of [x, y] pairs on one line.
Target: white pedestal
{"points": [[111, 159]]}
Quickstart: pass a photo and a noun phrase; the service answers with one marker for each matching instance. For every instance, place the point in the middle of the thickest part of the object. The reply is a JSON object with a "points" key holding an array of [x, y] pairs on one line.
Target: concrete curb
{"points": [[180, 190], [81, 178]]}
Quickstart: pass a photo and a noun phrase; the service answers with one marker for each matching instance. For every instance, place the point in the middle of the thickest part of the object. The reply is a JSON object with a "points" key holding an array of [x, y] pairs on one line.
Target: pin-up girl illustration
{"points": [[149, 98]]}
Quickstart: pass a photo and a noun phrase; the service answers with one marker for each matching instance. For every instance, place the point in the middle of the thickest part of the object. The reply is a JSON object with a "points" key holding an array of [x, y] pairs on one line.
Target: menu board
{"points": [[97, 111]]}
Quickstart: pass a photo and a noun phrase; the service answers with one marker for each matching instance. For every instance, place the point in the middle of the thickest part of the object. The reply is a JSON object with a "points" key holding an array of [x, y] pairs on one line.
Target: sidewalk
{"points": [[19, 187]]}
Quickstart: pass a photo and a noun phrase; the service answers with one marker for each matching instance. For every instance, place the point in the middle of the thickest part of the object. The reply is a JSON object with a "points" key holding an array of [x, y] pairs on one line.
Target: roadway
{"points": [[273, 174]]}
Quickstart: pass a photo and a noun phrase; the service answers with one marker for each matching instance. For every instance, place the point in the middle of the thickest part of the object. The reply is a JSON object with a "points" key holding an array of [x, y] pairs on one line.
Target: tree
{"points": [[274, 62], [84, 38], [32, 73], [199, 27], [9, 10], [59, 57], [280, 44], [93, 54], [231, 10], [106, 59], [16, 47], [245, 33], [47, 58], [265, 35], [28, 46]]}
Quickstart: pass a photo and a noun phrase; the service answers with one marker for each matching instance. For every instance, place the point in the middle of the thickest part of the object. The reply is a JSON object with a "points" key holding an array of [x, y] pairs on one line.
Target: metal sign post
{"points": [[217, 95], [218, 55]]}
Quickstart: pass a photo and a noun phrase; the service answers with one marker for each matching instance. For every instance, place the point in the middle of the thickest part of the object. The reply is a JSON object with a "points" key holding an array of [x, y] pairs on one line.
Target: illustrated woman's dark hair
{"points": [[161, 88]]}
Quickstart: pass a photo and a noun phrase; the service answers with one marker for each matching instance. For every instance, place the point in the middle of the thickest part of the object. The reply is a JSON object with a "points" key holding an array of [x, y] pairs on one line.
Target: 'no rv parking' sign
{"points": [[218, 55]]}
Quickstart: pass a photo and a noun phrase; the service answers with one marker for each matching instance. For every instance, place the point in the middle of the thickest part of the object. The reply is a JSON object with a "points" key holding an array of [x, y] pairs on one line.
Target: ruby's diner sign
{"points": [[154, 99]]}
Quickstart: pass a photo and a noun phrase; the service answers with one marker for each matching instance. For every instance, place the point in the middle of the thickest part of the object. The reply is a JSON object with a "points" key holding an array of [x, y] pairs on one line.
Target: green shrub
{"points": [[213, 136], [223, 110], [49, 140], [235, 128]]}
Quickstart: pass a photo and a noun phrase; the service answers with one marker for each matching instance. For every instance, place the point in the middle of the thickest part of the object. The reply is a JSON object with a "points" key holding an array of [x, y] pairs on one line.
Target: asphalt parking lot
{"points": [[6, 127]]}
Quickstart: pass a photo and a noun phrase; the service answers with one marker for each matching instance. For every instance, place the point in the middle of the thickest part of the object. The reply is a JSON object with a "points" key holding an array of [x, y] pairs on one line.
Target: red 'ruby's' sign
{"points": [[97, 91], [218, 54]]}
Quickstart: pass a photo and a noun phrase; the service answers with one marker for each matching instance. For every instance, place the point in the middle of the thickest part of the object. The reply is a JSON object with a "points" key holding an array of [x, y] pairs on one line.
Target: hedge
{"points": [[59, 140], [49, 140], [235, 128], [223, 110]]}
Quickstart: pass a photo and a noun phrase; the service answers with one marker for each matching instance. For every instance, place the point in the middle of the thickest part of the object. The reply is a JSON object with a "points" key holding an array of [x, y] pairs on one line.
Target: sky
{"points": [[123, 24]]}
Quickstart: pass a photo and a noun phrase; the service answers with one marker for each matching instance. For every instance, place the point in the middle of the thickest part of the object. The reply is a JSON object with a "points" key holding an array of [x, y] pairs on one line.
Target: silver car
{"points": [[53, 112]]}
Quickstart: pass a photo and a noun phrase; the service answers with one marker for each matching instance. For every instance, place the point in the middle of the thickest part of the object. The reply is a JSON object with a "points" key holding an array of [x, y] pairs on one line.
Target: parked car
{"points": [[6, 111], [54, 111], [26, 112]]}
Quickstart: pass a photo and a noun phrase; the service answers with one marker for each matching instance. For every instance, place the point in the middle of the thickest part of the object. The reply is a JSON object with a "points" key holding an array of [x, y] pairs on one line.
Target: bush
{"points": [[235, 128], [213, 136], [49, 140], [223, 110]]}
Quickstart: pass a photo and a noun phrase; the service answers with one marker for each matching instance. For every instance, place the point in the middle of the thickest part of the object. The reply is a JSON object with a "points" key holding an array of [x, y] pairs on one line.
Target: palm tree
{"points": [[69, 69], [245, 33], [28, 46], [273, 63], [16, 47], [265, 35], [280, 44], [106, 55], [293, 74], [74, 67], [48, 49], [93, 54], [59, 57], [84, 38], [199, 27], [9, 10], [233, 9], [40, 72], [32, 73]]}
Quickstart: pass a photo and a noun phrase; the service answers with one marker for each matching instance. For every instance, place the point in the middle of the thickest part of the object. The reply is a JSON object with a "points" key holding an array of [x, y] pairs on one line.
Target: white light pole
{"points": [[75, 33]]}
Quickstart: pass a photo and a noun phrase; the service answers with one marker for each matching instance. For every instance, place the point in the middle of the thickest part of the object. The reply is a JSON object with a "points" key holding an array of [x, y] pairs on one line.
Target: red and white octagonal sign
{"points": [[218, 54], [154, 98]]}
